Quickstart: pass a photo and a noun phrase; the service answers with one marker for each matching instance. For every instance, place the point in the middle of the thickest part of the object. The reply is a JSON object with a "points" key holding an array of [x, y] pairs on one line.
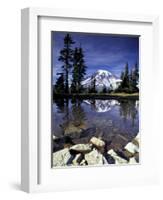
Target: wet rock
{"points": [[97, 142], [58, 144], [61, 143], [78, 158], [124, 154], [94, 158], [109, 159], [62, 158], [135, 142], [118, 159], [132, 148], [118, 142], [81, 148], [137, 157], [132, 161], [85, 136], [90, 132]]}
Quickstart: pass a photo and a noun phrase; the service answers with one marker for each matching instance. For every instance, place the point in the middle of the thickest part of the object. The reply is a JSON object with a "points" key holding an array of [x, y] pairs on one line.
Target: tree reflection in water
{"points": [[78, 114], [128, 110], [74, 112]]}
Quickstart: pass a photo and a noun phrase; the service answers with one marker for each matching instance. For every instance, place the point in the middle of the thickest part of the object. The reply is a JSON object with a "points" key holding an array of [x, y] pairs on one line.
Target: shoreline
{"points": [[134, 96]]}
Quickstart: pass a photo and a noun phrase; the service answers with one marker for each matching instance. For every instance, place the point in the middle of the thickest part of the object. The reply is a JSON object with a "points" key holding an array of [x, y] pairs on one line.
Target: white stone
{"points": [[94, 158], [105, 162], [132, 148], [137, 138], [61, 158], [97, 142], [132, 161], [82, 148]]}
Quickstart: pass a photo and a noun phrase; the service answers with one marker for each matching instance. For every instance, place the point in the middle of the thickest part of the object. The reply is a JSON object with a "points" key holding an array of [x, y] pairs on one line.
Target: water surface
{"points": [[76, 121]]}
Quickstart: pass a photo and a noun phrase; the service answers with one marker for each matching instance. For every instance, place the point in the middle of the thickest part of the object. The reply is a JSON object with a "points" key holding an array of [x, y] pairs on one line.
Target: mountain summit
{"points": [[102, 79]]}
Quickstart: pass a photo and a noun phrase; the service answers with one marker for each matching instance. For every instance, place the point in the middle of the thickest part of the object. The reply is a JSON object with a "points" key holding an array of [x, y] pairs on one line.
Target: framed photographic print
{"points": [[86, 95]]}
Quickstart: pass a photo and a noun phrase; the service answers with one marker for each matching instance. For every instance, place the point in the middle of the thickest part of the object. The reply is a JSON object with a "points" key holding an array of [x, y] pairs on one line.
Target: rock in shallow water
{"points": [[118, 159], [81, 148], [94, 158], [97, 142], [62, 158], [71, 128]]}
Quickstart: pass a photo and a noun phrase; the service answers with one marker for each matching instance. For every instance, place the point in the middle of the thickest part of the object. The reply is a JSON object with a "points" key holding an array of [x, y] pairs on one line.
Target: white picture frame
{"points": [[35, 174]]}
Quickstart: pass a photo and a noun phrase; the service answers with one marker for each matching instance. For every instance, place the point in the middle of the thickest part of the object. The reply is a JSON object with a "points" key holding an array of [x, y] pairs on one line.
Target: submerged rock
{"points": [[62, 158], [81, 148], [118, 159], [97, 142], [118, 142], [94, 158], [71, 128], [137, 157]]}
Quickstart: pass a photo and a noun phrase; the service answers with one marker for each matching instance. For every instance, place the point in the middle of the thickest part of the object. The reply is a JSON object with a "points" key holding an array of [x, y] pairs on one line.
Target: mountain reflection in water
{"points": [[76, 121]]}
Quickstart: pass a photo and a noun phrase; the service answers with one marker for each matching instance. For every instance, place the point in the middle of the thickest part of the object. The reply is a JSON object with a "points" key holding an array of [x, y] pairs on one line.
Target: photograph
{"points": [[95, 99]]}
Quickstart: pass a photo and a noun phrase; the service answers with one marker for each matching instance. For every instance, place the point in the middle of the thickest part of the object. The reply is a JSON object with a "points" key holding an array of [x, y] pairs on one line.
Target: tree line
{"points": [[73, 65], [74, 70], [130, 80]]}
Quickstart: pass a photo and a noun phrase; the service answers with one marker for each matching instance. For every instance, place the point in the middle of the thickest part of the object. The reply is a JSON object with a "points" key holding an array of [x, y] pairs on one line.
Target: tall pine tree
{"points": [[134, 78], [79, 70], [66, 56], [59, 86], [129, 80], [125, 81]]}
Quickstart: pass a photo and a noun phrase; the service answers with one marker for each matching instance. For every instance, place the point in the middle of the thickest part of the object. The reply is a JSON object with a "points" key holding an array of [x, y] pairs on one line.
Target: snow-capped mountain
{"points": [[102, 79]]}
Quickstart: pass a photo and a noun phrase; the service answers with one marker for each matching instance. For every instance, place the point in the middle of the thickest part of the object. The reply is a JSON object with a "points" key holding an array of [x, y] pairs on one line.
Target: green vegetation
{"points": [[130, 80], [79, 71], [66, 57]]}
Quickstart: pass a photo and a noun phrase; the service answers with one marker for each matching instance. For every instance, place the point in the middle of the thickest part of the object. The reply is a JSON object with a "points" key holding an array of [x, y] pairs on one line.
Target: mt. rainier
{"points": [[103, 79]]}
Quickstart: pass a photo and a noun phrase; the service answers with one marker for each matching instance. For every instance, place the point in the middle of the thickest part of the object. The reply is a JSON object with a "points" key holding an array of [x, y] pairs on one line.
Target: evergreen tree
{"points": [[134, 78], [66, 56], [125, 77], [59, 86], [125, 81], [136, 74], [130, 80], [79, 70]]}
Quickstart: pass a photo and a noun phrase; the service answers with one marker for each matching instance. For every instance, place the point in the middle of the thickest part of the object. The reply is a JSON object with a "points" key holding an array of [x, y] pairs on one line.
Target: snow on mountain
{"points": [[103, 79], [102, 105]]}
